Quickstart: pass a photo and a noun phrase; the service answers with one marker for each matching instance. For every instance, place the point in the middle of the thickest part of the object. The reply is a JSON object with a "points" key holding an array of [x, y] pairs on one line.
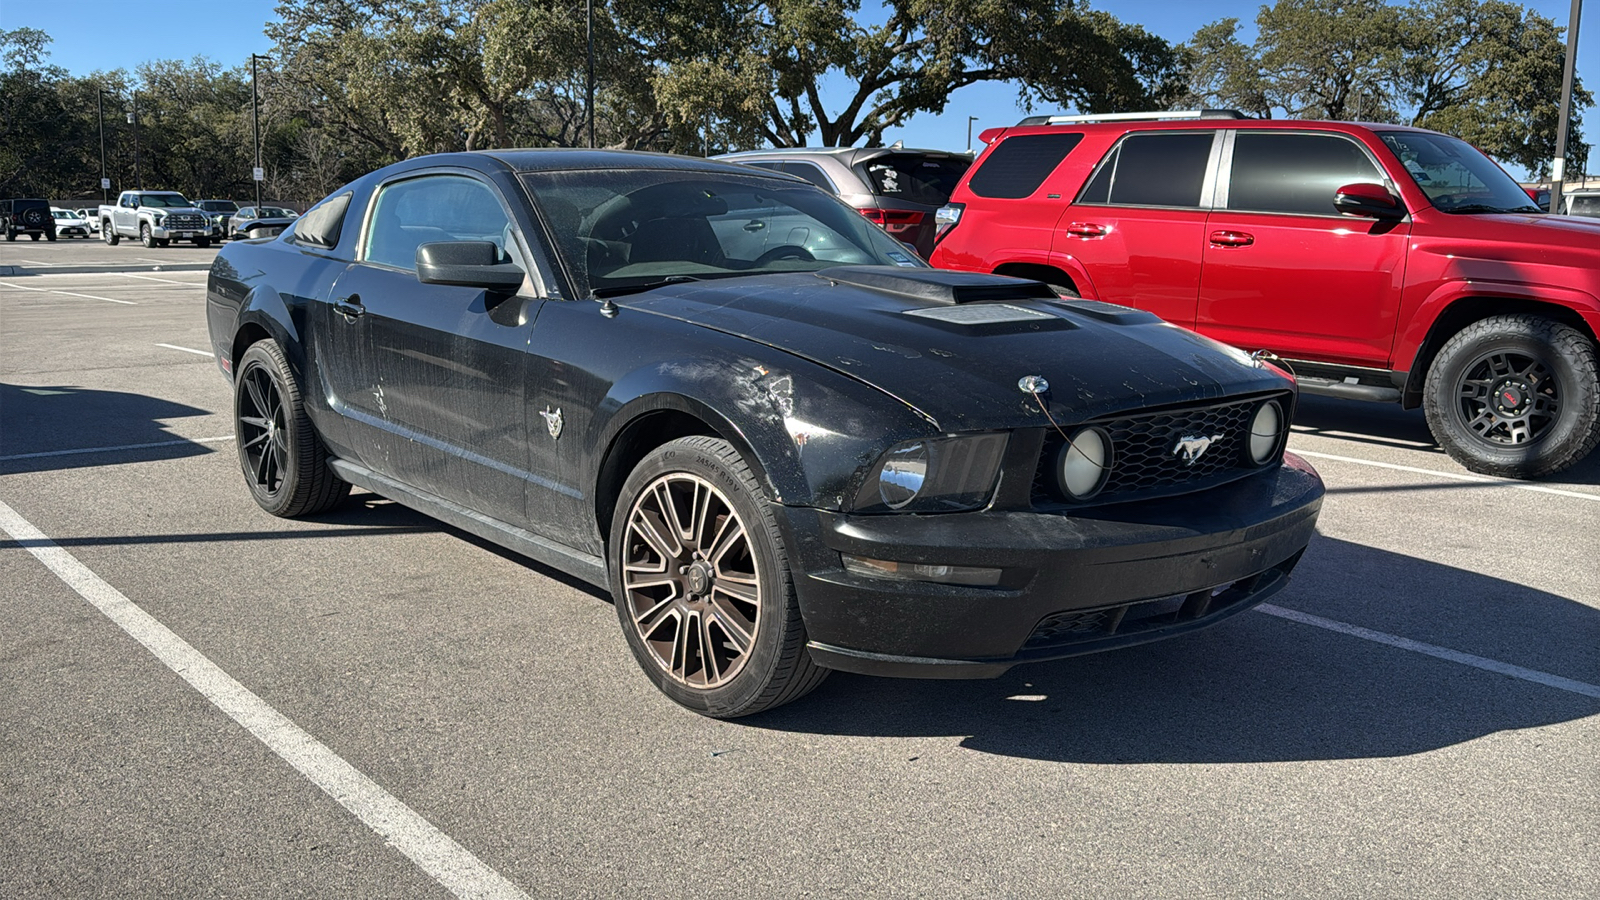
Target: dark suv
{"points": [[897, 187], [27, 216], [1383, 262]]}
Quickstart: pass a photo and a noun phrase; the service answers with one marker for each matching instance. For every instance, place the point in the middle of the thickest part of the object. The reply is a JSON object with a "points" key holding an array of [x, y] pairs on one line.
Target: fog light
{"points": [[1085, 463], [1266, 431], [902, 571]]}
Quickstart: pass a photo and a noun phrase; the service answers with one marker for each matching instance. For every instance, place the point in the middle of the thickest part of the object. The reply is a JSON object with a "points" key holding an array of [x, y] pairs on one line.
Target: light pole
{"points": [[1558, 168], [138, 166], [970, 120], [100, 112], [589, 103], [255, 124]]}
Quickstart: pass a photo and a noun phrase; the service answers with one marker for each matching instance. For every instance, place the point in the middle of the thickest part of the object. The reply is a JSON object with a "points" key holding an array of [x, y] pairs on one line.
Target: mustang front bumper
{"points": [[1070, 584]]}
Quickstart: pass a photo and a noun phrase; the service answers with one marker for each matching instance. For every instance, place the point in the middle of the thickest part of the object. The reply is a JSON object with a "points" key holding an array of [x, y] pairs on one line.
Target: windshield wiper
{"points": [[618, 290], [1486, 208]]}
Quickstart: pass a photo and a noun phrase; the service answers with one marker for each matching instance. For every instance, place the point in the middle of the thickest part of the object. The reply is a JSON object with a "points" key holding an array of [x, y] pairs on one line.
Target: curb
{"points": [[18, 271]]}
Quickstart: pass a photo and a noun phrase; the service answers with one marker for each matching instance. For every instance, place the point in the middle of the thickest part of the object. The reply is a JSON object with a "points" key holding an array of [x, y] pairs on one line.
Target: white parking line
{"points": [[186, 349], [433, 851], [1458, 476], [1455, 656], [69, 294], [75, 452], [162, 280]]}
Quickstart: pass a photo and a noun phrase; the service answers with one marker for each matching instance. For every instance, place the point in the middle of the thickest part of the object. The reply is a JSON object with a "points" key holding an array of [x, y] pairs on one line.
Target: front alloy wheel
{"points": [[1515, 396], [146, 237], [702, 585]]}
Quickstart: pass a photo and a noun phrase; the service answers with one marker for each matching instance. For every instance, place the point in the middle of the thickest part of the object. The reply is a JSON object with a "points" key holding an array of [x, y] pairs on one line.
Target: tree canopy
{"points": [[1488, 71]]}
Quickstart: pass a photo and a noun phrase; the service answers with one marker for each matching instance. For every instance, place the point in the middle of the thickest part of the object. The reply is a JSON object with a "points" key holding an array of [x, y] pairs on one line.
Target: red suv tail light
{"points": [[894, 221]]}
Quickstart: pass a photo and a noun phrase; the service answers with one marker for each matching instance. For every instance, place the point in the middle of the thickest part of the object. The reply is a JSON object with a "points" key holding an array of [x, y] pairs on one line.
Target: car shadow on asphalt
{"points": [[1259, 688], [39, 422], [1387, 425]]}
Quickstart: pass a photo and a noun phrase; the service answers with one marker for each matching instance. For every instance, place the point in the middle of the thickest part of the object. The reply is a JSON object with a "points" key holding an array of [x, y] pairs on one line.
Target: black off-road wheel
{"points": [[284, 462], [1515, 396], [146, 237], [702, 583], [50, 236], [109, 234]]}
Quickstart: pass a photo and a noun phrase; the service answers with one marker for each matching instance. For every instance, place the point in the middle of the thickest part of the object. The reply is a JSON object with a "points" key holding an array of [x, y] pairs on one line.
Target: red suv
{"points": [[1383, 262]]}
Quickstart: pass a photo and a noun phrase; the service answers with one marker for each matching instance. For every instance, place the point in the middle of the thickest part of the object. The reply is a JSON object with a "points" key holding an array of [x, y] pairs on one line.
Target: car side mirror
{"points": [[1369, 201], [466, 264], [133, 202]]}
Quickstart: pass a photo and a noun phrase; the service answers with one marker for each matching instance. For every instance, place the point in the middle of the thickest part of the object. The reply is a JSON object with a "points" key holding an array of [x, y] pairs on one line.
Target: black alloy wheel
{"points": [[284, 462], [1515, 396], [702, 583]]}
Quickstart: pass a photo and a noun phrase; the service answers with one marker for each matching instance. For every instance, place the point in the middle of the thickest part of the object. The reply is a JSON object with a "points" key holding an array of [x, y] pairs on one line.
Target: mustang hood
{"points": [[954, 345]]}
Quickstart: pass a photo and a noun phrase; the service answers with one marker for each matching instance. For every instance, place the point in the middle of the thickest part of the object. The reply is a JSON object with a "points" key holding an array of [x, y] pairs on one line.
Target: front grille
{"points": [[1145, 457], [185, 222]]}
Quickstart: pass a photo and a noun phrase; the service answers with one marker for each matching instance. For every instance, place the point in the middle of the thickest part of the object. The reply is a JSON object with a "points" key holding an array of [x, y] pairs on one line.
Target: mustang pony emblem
{"points": [[552, 421], [1190, 449]]}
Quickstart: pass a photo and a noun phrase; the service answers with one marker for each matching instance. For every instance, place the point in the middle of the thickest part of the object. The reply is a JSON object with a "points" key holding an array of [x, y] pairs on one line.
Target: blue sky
{"points": [[109, 34]]}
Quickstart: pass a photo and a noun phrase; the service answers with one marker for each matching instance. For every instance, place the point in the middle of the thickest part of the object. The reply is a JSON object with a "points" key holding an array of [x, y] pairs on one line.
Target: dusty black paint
{"points": [[443, 397]]}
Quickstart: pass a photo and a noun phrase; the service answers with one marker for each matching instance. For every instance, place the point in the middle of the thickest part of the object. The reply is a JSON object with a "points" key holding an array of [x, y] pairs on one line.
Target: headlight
{"points": [[1267, 429], [158, 218], [1084, 463], [934, 475]]}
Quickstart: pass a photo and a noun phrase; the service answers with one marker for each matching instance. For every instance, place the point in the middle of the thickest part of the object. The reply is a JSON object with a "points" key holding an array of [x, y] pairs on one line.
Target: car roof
{"points": [[557, 159], [1189, 124]]}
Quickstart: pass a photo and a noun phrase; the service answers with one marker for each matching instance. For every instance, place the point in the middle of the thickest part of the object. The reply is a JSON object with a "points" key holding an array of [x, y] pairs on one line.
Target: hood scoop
{"points": [[939, 286]]}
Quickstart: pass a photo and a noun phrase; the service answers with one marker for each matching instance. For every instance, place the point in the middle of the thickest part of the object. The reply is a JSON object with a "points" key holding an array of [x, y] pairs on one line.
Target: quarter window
{"points": [[1153, 169], [1020, 164], [810, 173], [418, 211], [1295, 173]]}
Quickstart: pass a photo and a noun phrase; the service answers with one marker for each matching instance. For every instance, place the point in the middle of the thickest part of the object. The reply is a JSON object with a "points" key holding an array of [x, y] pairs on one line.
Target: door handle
{"points": [[1231, 239], [1087, 230], [350, 307]]}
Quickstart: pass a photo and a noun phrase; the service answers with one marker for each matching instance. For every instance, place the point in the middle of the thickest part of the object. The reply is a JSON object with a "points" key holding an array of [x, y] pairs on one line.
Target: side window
{"points": [[1152, 169], [1020, 164], [408, 214], [811, 173], [1295, 173], [321, 225]]}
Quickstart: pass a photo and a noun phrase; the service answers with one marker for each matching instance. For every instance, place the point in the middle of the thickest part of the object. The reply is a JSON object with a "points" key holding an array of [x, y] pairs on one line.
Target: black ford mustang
{"points": [[782, 443]]}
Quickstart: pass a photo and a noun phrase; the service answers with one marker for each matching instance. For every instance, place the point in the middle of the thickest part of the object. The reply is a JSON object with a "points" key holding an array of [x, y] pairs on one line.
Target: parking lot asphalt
{"points": [[200, 700]]}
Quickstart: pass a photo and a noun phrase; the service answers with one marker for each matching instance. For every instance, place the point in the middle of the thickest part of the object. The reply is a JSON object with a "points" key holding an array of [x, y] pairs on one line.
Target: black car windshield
{"points": [[218, 205], [164, 201], [275, 212], [616, 229], [1455, 175]]}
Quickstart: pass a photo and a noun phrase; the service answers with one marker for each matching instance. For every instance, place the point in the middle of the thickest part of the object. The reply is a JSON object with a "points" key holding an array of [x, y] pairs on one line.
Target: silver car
{"points": [[897, 187]]}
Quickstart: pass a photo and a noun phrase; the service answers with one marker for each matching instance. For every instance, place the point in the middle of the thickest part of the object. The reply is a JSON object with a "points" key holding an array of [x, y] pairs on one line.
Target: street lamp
{"points": [[138, 166], [589, 103], [1558, 167], [970, 120], [100, 112], [255, 124]]}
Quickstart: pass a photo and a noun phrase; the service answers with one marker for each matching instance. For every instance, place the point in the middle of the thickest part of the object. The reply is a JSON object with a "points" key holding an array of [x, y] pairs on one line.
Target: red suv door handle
{"points": [[1231, 239], [1086, 230]]}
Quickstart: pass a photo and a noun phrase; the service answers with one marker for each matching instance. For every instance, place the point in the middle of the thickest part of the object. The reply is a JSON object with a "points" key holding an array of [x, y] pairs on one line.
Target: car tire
{"points": [[11, 236], [284, 461], [202, 243], [146, 237], [34, 237], [1515, 396], [163, 242], [50, 236], [110, 234], [688, 600]]}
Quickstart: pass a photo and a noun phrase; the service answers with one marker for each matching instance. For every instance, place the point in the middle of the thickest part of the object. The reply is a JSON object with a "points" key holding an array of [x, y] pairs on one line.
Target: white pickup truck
{"points": [[156, 218]]}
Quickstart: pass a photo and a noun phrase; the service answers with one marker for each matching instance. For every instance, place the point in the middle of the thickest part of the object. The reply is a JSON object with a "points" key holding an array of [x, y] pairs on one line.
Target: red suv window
{"points": [[1179, 157], [1019, 165]]}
